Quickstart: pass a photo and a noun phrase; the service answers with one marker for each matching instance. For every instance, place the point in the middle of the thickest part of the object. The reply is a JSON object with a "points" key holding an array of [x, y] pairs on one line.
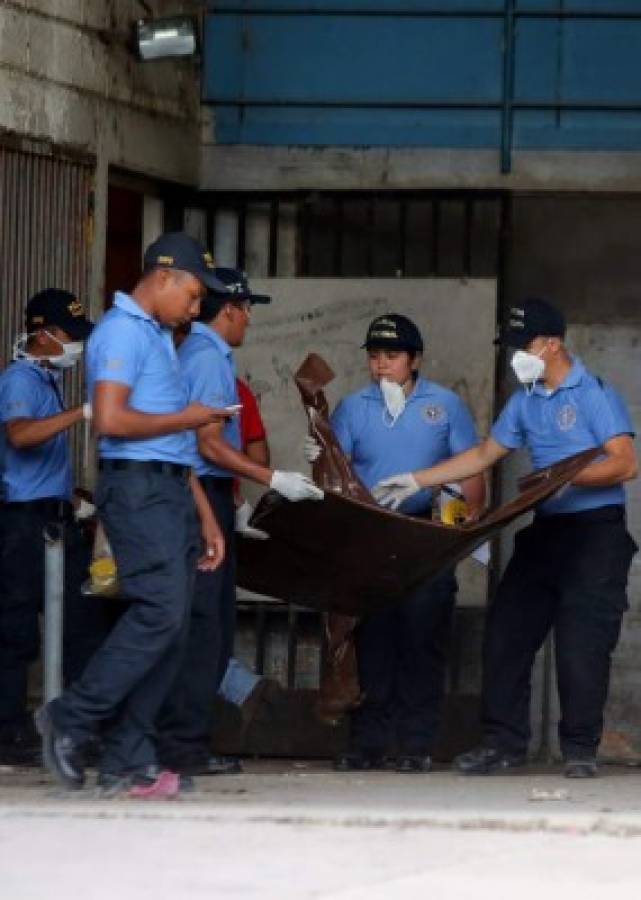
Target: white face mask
{"points": [[70, 355], [394, 399], [528, 367]]}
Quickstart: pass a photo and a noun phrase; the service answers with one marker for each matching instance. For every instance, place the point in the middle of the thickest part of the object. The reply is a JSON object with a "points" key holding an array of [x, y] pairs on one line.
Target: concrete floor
{"points": [[296, 830]]}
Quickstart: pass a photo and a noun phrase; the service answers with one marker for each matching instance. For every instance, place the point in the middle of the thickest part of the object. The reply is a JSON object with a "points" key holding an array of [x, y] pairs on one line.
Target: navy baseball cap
{"points": [[533, 318], [177, 250], [237, 285], [61, 308], [393, 332], [236, 290]]}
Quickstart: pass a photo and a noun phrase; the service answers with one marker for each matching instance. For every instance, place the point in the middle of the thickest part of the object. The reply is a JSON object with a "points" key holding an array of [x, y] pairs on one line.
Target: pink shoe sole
{"points": [[165, 787]]}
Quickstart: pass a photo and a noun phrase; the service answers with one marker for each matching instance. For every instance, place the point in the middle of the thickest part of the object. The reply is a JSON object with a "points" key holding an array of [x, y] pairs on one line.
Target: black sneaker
{"points": [[109, 785], [187, 785], [62, 756], [358, 761], [411, 763], [580, 768], [485, 760]]}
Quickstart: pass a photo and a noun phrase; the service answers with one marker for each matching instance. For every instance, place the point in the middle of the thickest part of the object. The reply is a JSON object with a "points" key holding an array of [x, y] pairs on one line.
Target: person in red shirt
{"points": [[252, 430]]}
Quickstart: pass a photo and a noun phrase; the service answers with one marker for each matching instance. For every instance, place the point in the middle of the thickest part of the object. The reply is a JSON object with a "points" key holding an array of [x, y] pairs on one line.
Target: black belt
{"points": [[145, 465], [53, 507], [613, 512], [225, 482]]}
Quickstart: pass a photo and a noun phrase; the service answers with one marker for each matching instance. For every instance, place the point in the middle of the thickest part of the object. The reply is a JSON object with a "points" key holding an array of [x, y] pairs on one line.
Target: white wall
{"points": [[330, 316]]}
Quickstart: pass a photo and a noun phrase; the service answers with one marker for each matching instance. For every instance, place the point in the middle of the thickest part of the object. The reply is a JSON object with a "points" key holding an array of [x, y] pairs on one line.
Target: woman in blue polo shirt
{"points": [[569, 568], [397, 419]]}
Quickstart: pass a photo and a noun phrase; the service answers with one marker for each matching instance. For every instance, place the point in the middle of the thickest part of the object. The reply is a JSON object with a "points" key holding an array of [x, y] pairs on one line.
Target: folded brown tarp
{"points": [[347, 555]]}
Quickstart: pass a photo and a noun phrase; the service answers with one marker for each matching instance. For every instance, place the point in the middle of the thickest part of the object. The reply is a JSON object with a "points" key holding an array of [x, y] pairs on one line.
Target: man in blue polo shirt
{"points": [[206, 358], [569, 568], [147, 500], [36, 489], [400, 419]]}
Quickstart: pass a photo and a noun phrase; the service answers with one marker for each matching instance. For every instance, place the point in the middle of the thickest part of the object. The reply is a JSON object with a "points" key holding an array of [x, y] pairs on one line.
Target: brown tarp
{"points": [[347, 556]]}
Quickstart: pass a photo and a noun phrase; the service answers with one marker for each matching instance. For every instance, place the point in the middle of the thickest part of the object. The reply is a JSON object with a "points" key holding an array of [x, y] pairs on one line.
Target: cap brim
{"points": [[258, 298], [384, 344], [211, 282], [78, 329]]}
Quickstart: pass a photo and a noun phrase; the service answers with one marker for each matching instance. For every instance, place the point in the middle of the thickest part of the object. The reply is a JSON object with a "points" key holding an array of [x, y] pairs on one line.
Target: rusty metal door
{"points": [[45, 241]]}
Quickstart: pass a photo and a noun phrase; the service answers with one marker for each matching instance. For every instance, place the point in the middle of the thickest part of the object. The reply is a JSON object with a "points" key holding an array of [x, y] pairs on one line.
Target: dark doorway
{"points": [[123, 262]]}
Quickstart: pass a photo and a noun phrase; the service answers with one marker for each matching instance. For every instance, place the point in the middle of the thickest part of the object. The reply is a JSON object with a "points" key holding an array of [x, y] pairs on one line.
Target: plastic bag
{"points": [[103, 572]]}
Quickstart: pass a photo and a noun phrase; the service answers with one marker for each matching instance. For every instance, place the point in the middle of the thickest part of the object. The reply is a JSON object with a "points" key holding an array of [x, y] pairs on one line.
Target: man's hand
{"points": [[243, 515], [295, 486], [213, 543], [391, 492], [311, 449]]}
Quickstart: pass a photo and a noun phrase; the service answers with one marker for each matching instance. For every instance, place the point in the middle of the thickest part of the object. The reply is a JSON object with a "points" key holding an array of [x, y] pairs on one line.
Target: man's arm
{"points": [[213, 446], [24, 433], [258, 451], [620, 464], [113, 416], [393, 491], [213, 540], [464, 465]]}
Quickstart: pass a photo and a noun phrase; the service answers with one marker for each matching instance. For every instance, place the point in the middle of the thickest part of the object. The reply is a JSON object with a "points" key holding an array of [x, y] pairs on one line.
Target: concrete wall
{"points": [[330, 317], [69, 78], [343, 168], [583, 252]]}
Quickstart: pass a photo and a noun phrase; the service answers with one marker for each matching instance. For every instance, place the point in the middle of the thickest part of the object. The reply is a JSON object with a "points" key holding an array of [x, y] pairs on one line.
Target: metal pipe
{"points": [[507, 108], [546, 105], [443, 12], [54, 588]]}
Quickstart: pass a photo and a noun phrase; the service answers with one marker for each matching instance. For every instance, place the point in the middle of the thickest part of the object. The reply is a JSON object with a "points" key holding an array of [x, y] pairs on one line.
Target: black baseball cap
{"points": [[177, 250], [57, 307], [533, 318], [236, 290], [393, 332]]}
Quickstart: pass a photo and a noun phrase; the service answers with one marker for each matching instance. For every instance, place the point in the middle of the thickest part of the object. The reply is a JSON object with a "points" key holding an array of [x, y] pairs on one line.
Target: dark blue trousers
{"points": [[568, 574], [21, 601], [402, 658], [185, 721], [150, 520]]}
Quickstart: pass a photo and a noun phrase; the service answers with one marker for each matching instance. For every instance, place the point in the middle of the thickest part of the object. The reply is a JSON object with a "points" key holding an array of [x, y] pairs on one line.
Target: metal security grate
{"points": [[45, 239], [359, 234]]}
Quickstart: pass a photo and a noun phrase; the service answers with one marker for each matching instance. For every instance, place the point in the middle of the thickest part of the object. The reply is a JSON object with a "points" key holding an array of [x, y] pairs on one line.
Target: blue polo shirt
{"points": [[130, 347], [27, 392], [207, 363], [581, 413], [434, 425]]}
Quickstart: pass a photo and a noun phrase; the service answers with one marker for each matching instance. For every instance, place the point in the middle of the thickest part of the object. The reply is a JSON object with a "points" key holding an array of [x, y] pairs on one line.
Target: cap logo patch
{"points": [[433, 414], [516, 323], [379, 333], [566, 417], [208, 259], [517, 311], [165, 260], [76, 308], [236, 288]]}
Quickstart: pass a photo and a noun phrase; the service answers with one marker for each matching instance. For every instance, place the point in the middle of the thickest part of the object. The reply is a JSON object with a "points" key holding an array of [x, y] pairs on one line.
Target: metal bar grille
{"points": [[45, 210]]}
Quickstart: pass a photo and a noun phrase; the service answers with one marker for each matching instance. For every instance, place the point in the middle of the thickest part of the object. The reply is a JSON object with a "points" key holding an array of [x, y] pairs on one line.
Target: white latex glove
{"points": [[391, 492], [243, 515], [84, 510], [295, 486], [311, 449]]}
